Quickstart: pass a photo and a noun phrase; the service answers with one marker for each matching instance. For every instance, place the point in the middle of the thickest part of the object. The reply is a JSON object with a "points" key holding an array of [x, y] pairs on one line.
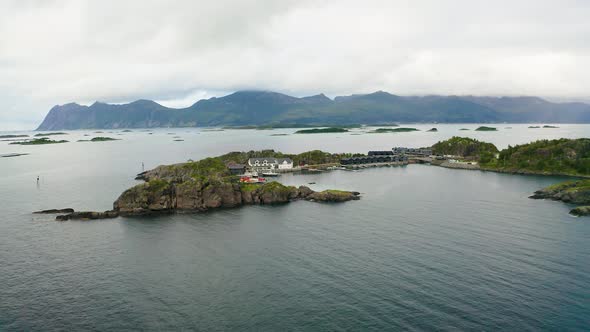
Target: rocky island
{"points": [[50, 134], [99, 139], [322, 130], [484, 128], [204, 185], [38, 141], [392, 130], [572, 192]]}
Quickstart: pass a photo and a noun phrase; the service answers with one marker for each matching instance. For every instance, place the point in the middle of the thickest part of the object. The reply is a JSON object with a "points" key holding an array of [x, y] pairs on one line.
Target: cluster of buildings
{"points": [[419, 152], [262, 165], [270, 166], [395, 155], [374, 159]]}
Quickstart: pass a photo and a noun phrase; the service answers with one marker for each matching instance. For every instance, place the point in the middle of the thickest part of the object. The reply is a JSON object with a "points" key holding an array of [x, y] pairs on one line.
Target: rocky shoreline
{"points": [[571, 192], [475, 167], [142, 200], [198, 187]]}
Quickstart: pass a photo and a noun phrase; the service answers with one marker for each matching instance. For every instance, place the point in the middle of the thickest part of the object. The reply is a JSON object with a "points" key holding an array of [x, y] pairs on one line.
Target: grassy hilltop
{"points": [[560, 156], [465, 147]]}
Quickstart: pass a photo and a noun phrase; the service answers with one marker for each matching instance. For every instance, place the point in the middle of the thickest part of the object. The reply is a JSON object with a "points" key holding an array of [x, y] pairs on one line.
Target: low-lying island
{"points": [[200, 186]]}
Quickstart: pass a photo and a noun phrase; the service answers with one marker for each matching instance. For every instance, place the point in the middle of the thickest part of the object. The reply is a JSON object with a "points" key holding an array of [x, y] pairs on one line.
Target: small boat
{"points": [[270, 174], [333, 168], [252, 179]]}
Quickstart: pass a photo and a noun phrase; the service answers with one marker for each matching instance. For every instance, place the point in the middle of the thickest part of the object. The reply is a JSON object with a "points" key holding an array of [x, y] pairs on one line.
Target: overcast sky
{"points": [[176, 52]]}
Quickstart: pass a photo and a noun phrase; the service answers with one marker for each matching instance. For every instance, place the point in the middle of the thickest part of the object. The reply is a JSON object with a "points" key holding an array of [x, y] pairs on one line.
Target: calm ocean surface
{"points": [[426, 248]]}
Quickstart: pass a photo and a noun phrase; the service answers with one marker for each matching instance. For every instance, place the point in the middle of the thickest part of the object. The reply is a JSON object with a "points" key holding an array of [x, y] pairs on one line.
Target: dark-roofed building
{"points": [[381, 153], [236, 169], [374, 159], [422, 152]]}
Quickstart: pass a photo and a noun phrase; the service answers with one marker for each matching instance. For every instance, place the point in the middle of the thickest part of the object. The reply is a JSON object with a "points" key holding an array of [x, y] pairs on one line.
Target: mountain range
{"points": [[266, 107]]}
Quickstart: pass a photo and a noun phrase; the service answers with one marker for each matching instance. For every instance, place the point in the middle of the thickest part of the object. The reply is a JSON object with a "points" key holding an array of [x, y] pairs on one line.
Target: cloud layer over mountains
{"points": [[54, 52]]}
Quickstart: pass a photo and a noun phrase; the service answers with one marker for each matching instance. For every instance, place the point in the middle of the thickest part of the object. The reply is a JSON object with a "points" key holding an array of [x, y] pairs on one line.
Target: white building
{"points": [[270, 163], [285, 163]]}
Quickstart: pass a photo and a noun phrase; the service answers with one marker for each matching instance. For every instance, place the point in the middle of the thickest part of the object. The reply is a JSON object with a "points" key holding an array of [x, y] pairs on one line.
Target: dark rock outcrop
{"points": [[581, 211], [164, 197], [88, 215], [574, 192], [55, 211], [161, 197], [333, 196]]}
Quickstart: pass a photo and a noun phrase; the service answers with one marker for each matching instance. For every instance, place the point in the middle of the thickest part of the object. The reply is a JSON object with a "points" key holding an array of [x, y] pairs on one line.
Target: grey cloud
{"points": [[53, 52]]}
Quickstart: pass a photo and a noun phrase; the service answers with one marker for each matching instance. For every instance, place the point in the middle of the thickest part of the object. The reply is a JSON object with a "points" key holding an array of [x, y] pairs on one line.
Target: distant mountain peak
{"points": [[381, 93], [145, 102], [318, 98], [68, 106], [250, 96]]}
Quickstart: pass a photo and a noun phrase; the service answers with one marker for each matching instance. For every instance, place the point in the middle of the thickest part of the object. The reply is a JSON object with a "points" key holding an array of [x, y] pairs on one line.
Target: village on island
{"points": [[256, 170]]}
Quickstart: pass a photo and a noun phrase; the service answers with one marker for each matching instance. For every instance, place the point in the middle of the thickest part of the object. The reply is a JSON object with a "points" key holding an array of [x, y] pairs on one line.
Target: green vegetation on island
{"points": [[322, 130], [50, 134], [39, 141], [199, 186], [571, 192], [545, 126], [484, 128], [559, 157], [556, 157], [314, 157], [467, 148], [463, 129], [99, 139], [214, 169], [392, 130], [581, 211], [432, 130]]}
